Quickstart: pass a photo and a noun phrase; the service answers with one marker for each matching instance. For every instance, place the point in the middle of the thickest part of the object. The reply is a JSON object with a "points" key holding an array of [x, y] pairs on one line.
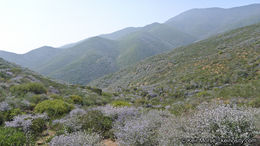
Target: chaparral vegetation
{"points": [[206, 93]]}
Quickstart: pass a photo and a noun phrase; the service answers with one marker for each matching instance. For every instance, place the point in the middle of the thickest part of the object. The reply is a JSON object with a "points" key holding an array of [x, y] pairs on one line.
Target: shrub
{"points": [[225, 122], [77, 139], [9, 115], [76, 99], [96, 90], [38, 125], [95, 100], [35, 99], [95, 121], [141, 101], [55, 96], [107, 94], [120, 103], [15, 112], [91, 121], [2, 119], [203, 94], [119, 114], [53, 108], [4, 106], [255, 102], [25, 105], [141, 130], [169, 132], [24, 121], [11, 137], [34, 87], [71, 122]]}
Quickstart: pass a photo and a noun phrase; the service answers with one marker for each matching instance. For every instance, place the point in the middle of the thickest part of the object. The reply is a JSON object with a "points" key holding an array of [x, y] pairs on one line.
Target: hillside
{"points": [[82, 63], [32, 59], [97, 56], [92, 58], [210, 21], [30, 102], [225, 66], [15, 77], [37, 111]]}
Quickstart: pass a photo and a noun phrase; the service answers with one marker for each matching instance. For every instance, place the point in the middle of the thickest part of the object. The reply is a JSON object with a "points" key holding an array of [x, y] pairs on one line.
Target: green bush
{"points": [[8, 115], [95, 121], [15, 112], [12, 137], [2, 119], [53, 108], [4, 116], [141, 101], [107, 94], [55, 96], [96, 90], [22, 89], [38, 125], [203, 94], [76, 99], [36, 98], [95, 100], [255, 102], [119, 103]]}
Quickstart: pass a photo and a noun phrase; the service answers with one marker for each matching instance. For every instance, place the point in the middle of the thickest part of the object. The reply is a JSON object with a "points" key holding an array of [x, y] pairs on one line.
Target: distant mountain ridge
{"points": [[92, 58], [215, 20]]}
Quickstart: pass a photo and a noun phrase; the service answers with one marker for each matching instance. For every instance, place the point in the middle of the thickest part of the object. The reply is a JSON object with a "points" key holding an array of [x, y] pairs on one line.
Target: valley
{"points": [[193, 80]]}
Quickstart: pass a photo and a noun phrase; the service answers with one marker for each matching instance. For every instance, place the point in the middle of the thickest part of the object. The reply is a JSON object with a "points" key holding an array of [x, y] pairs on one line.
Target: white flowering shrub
{"points": [[77, 139], [119, 114], [24, 121], [224, 122], [90, 120], [112, 111], [77, 112], [25, 105], [169, 132], [142, 130], [71, 122], [4, 106], [217, 125]]}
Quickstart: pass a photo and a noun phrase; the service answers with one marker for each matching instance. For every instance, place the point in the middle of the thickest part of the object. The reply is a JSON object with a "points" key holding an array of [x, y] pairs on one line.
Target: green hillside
{"points": [[225, 66], [30, 102], [92, 58], [150, 40], [18, 85]]}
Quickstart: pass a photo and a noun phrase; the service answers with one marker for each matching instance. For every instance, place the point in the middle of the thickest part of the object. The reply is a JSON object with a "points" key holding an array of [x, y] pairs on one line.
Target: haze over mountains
{"points": [[95, 57]]}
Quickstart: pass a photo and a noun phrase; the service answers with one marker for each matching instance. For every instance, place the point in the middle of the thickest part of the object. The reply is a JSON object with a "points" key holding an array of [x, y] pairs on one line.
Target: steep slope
{"points": [[202, 23], [224, 66], [150, 40]]}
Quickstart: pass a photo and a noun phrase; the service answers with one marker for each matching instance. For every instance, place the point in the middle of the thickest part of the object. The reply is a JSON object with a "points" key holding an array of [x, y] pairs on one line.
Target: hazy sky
{"points": [[29, 24]]}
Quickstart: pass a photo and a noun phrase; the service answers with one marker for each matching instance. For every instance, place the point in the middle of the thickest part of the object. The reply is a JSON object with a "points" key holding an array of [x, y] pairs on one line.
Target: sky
{"points": [[30, 24]]}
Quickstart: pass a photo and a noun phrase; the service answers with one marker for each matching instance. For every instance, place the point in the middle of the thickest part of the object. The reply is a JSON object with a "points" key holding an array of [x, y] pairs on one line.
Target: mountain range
{"points": [[93, 58], [226, 67]]}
